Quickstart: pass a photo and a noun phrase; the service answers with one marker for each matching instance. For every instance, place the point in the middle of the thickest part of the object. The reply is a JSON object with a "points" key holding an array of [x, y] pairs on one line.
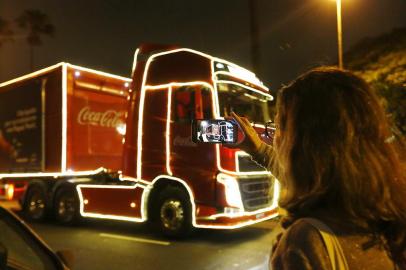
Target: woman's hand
{"points": [[251, 141]]}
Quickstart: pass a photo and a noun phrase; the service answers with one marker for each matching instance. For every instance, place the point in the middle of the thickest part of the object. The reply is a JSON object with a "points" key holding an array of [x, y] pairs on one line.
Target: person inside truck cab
{"points": [[342, 184], [184, 108], [192, 102]]}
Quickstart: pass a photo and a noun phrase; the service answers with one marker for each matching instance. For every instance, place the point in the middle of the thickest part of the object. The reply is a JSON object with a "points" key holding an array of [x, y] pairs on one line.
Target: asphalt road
{"points": [[120, 245]]}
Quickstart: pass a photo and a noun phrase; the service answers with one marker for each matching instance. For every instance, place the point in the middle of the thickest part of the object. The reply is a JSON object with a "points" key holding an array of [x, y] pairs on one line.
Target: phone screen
{"points": [[214, 131]]}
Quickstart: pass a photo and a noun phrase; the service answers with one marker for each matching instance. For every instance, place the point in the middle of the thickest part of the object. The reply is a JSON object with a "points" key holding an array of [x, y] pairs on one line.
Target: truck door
{"points": [[193, 162]]}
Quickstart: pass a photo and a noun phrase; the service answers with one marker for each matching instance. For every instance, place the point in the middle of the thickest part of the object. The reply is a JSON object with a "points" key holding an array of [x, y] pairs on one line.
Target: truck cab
{"points": [[226, 188]]}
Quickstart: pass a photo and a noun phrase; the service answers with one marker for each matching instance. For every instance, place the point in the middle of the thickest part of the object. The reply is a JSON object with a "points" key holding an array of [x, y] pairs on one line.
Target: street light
{"points": [[339, 35]]}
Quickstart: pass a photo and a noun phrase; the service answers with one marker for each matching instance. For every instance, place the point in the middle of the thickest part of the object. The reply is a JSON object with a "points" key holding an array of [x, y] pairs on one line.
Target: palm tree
{"points": [[37, 24], [6, 32]]}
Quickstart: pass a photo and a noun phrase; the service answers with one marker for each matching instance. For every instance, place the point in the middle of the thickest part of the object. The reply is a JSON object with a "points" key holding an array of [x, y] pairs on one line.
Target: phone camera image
{"points": [[214, 131]]}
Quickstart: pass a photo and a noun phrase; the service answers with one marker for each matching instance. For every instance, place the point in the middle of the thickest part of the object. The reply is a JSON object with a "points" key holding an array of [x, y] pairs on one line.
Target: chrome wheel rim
{"points": [[172, 214], [66, 208], [36, 205]]}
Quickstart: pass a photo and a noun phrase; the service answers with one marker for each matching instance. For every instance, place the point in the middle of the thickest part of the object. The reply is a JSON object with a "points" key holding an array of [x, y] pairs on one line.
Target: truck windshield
{"points": [[244, 102]]}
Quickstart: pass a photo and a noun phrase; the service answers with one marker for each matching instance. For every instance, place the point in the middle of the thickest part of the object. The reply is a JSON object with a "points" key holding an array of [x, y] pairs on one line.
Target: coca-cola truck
{"points": [[76, 142]]}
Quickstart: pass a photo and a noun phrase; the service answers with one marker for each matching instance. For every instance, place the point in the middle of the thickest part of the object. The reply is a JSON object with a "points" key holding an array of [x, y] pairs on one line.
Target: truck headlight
{"points": [[232, 190]]}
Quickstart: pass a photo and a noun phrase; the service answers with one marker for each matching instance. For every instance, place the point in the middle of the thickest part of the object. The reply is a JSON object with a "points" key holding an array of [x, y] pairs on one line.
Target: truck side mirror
{"points": [[3, 257]]}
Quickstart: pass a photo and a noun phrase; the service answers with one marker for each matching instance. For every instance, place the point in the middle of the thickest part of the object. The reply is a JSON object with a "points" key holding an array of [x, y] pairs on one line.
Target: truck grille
{"points": [[246, 164], [257, 193]]}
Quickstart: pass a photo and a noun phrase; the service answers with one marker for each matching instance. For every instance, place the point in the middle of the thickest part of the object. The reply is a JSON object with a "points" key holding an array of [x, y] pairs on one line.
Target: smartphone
{"points": [[214, 131]]}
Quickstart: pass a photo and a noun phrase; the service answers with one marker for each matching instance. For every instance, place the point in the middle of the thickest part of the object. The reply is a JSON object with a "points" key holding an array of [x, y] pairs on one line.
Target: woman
{"points": [[340, 175]]}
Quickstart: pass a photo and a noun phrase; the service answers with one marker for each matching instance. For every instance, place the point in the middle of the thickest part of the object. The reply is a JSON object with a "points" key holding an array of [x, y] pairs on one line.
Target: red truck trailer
{"points": [[76, 142]]}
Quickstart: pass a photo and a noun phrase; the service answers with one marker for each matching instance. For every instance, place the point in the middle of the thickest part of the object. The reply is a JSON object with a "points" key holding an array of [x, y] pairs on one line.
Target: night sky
{"points": [[294, 34]]}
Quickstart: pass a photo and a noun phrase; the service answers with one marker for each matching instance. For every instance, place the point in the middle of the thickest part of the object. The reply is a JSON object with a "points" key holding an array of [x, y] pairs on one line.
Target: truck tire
{"points": [[173, 212], [66, 206], [35, 204]]}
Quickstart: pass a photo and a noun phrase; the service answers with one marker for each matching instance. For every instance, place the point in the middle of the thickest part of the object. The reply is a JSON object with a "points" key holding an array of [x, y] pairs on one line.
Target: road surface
{"points": [[99, 244]]}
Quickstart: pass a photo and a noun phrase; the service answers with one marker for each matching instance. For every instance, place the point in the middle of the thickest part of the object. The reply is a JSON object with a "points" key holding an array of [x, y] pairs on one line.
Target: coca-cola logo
{"points": [[109, 118]]}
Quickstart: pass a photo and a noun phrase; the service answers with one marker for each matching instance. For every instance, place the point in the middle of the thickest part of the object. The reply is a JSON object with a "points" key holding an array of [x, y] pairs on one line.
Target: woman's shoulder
{"points": [[302, 226], [301, 247]]}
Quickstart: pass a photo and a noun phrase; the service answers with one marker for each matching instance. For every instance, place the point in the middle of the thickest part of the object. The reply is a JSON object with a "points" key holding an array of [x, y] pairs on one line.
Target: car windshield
{"points": [[244, 102], [22, 248]]}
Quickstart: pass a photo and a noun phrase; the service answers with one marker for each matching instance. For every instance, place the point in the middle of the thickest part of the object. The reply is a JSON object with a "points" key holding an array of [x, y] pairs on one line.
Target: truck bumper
{"points": [[235, 220]]}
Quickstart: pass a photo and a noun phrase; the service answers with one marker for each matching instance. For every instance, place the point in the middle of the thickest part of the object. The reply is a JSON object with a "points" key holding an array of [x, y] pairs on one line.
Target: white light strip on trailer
{"points": [[51, 174], [31, 75], [101, 73], [50, 68], [64, 130]]}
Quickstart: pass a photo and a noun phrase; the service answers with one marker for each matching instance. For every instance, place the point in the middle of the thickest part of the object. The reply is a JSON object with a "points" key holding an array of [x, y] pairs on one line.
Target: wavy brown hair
{"points": [[334, 154]]}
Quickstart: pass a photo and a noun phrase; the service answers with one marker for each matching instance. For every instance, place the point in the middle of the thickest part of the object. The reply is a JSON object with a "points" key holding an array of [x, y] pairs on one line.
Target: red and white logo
{"points": [[109, 118]]}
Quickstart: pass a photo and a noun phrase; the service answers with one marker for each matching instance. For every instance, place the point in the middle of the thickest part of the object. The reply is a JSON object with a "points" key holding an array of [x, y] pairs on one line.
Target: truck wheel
{"points": [[34, 206], [174, 212], [66, 206]]}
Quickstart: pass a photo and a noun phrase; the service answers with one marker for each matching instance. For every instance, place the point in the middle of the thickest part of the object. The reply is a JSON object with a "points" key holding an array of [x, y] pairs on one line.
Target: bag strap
{"points": [[334, 250]]}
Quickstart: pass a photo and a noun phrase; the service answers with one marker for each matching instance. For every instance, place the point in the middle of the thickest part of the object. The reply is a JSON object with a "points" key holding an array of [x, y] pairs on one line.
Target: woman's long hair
{"points": [[334, 153]]}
